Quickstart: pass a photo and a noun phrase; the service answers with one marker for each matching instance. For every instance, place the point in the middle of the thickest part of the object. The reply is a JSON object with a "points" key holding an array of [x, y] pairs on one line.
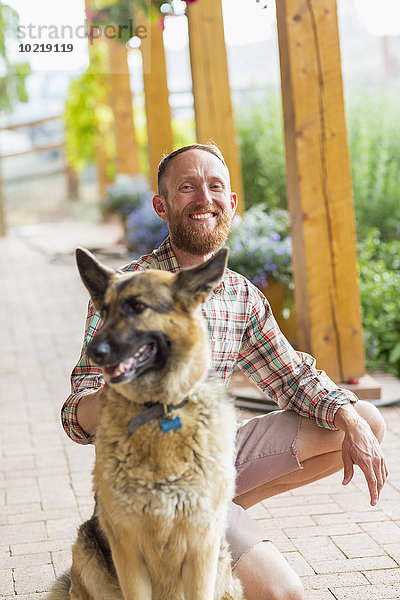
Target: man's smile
{"points": [[202, 216]]}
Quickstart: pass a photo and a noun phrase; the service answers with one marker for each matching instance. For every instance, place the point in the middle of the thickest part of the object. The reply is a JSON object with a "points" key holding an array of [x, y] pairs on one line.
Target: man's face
{"points": [[199, 206]]}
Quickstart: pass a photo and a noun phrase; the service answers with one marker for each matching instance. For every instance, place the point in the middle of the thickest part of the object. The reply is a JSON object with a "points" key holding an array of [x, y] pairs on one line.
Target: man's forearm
{"points": [[88, 411], [347, 417]]}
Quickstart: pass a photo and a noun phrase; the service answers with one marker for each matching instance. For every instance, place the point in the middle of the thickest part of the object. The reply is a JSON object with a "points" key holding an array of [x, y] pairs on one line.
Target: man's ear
{"points": [[94, 275], [194, 285], [160, 207]]}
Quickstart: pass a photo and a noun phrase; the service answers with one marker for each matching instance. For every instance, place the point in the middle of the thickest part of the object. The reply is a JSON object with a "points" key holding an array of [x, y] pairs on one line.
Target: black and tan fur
{"points": [[158, 532]]}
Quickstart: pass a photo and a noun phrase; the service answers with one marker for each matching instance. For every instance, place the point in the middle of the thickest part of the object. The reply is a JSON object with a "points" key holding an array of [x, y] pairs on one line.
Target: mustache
{"points": [[191, 208]]}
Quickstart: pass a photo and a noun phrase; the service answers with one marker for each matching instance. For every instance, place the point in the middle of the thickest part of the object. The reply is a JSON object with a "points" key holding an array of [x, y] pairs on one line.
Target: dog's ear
{"points": [[194, 285], [95, 276]]}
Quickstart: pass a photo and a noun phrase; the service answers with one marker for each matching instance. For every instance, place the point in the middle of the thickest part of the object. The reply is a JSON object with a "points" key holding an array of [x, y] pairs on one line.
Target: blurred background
{"points": [[54, 109]]}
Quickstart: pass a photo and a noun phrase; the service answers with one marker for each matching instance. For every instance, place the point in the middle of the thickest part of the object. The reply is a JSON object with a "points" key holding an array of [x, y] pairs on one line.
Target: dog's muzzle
{"points": [[122, 361]]}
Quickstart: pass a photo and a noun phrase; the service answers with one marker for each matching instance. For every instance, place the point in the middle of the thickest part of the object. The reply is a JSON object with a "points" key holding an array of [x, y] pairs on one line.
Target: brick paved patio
{"points": [[340, 546]]}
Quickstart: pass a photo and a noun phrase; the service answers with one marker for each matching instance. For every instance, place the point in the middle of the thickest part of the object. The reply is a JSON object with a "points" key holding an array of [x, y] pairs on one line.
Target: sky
{"points": [[242, 26]]}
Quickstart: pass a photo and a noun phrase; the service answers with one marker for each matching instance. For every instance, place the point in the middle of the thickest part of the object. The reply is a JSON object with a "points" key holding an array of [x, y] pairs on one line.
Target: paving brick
{"points": [[10, 562], [42, 596], [298, 563], [319, 595], [62, 561], [352, 517], [291, 521], [63, 528], [317, 530], [277, 536], [27, 532], [38, 547], [383, 533], [386, 576], [23, 494], [346, 565], [357, 545], [22, 509], [33, 580], [393, 550], [6, 582], [317, 549], [307, 509], [376, 592], [320, 582]]}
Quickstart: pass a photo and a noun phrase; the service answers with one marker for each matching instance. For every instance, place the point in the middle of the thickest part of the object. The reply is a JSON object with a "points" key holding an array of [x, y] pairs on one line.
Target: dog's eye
{"points": [[132, 306]]}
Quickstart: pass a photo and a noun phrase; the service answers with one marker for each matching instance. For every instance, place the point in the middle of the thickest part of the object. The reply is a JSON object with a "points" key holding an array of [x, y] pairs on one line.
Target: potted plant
{"points": [[261, 249]]}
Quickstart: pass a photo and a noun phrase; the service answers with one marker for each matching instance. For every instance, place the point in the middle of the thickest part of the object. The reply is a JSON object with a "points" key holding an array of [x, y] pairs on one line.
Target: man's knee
{"points": [[371, 414], [266, 575]]}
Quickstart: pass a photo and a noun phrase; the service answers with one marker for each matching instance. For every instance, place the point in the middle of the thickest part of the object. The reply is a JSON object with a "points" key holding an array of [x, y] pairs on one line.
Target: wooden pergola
{"points": [[327, 299]]}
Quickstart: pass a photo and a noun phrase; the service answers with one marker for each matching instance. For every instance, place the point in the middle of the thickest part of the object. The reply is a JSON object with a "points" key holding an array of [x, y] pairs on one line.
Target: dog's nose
{"points": [[100, 351]]}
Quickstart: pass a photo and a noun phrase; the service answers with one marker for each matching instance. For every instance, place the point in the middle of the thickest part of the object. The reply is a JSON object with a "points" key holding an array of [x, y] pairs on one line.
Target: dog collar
{"points": [[155, 411]]}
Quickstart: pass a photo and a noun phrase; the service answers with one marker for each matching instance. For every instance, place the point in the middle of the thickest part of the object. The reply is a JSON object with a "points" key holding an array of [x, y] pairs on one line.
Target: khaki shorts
{"points": [[266, 449]]}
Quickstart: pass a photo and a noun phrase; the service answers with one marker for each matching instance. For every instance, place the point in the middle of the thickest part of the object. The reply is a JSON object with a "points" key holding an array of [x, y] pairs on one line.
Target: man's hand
{"points": [[360, 447], [89, 409]]}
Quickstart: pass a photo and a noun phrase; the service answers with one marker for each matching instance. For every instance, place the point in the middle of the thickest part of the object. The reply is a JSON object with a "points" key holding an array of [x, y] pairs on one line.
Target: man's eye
{"points": [[133, 306]]}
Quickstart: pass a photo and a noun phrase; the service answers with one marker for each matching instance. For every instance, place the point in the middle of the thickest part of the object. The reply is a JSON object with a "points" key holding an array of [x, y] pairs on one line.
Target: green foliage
{"points": [[374, 135], [13, 82], [126, 194], [88, 115], [260, 131], [260, 245], [379, 266]]}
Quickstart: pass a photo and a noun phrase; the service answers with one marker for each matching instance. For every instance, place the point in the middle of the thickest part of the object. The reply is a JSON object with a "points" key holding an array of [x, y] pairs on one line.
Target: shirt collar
{"points": [[166, 257]]}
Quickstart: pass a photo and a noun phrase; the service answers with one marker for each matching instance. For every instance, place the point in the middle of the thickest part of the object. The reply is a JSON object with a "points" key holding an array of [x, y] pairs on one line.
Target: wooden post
{"points": [[211, 91], [158, 111], [121, 99], [319, 187], [72, 179], [103, 179], [3, 228]]}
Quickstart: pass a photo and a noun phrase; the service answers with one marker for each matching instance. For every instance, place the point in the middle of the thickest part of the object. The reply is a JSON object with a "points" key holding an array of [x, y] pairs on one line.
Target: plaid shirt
{"points": [[243, 332]]}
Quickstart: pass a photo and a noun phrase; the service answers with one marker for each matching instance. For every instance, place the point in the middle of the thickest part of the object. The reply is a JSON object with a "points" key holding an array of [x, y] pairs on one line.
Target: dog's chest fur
{"points": [[176, 475]]}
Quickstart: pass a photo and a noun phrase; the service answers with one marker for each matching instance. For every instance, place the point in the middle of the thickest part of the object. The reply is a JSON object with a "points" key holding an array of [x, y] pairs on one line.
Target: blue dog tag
{"points": [[168, 424]]}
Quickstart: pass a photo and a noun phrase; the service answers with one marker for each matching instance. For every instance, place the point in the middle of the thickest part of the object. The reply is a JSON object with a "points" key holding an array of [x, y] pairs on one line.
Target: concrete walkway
{"points": [[341, 547]]}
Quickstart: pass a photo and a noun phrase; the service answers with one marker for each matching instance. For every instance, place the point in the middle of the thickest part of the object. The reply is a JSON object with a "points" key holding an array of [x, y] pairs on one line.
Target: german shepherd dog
{"points": [[164, 470]]}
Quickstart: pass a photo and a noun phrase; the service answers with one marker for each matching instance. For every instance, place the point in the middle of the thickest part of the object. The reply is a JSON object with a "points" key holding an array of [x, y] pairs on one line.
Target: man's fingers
{"points": [[348, 469]]}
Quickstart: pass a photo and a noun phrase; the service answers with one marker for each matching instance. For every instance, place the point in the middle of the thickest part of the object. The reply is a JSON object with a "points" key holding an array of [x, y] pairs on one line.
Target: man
{"points": [[322, 427]]}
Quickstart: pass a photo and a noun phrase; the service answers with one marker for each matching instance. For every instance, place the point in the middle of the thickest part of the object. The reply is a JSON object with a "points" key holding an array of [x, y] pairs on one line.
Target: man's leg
{"points": [[264, 573], [320, 453]]}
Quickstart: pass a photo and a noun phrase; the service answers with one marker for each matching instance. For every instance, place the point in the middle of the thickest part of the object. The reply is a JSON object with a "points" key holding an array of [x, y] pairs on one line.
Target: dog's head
{"points": [[153, 335]]}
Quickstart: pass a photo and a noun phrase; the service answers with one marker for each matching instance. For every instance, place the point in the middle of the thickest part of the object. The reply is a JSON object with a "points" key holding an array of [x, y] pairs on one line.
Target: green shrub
{"points": [[379, 267], [260, 131], [126, 194], [374, 136]]}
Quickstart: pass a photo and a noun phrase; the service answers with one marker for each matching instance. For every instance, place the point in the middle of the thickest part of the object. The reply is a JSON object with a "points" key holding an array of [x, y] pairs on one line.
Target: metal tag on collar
{"points": [[169, 424]]}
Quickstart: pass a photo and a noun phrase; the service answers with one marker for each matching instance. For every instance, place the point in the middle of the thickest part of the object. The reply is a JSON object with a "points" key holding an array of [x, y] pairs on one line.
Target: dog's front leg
{"points": [[199, 569], [132, 572]]}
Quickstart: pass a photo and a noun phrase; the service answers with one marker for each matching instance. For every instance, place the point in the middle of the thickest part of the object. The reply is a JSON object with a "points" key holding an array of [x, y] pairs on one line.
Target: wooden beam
{"points": [[319, 187], [121, 101], [158, 111], [102, 160], [211, 91]]}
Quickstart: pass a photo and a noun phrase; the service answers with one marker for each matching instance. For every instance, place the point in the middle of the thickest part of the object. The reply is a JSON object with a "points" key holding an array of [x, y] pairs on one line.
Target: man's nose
{"points": [[204, 195]]}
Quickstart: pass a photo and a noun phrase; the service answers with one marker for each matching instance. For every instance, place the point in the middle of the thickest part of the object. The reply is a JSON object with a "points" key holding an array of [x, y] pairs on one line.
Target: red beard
{"points": [[195, 237]]}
